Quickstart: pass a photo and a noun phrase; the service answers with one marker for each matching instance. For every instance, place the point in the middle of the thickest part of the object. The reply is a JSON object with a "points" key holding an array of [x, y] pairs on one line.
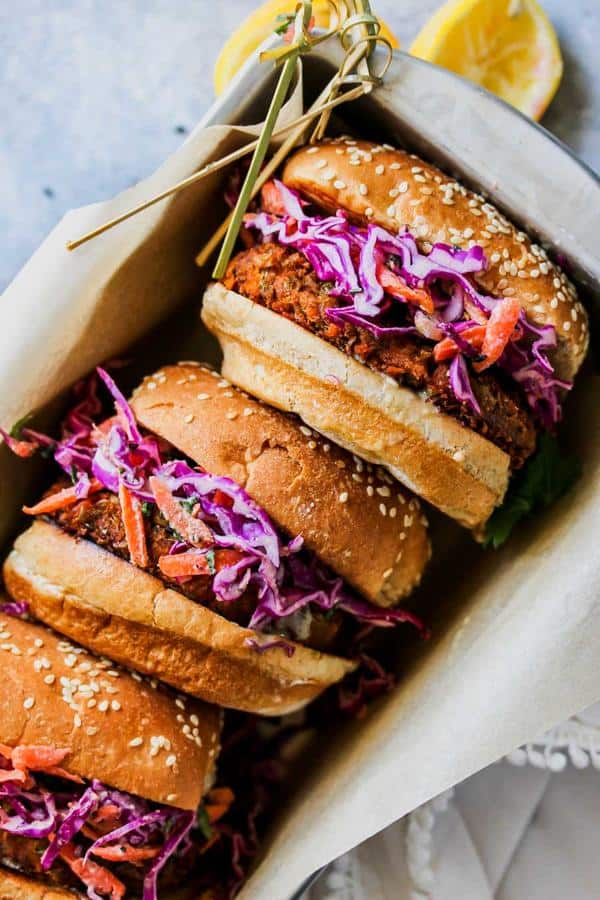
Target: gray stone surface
{"points": [[95, 93]]}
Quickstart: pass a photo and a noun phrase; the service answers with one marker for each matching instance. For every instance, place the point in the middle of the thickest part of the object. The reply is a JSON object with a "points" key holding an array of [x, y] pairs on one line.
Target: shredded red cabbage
{"points": [[33, 810], [350, 258], [285, 577], [17, 608]]}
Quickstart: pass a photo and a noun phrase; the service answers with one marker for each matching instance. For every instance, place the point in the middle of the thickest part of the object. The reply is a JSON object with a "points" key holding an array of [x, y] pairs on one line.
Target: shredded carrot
{"points": [[62, 773], [125, 853], [60, 500], [196, 562], [96, 877], [135, 531], [218, 802], [182, 565], [223, 499], [447, 348], [394, 284], [191, 529], [38, 758], [13, 775], [498, 332], [271, 200]]}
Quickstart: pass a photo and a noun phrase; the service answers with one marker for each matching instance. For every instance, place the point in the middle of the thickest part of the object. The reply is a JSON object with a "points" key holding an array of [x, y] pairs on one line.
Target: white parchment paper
{"points": [[516, 643]]}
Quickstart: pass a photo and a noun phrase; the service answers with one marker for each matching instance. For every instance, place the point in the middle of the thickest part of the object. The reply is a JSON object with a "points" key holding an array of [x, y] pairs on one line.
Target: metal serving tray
{"points": [[531, 176]]}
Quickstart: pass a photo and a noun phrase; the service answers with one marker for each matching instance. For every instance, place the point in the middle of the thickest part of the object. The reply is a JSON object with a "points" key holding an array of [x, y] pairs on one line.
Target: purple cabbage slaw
{"points": [[59, 815], [349, 257], [284, 579]]}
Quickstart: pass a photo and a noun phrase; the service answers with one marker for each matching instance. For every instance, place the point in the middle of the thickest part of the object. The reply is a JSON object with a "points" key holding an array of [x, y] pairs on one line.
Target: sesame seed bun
{"points": [[355, 518], [14, 886], [116, 609], [394, 189], [370, 414], [120, 728]]}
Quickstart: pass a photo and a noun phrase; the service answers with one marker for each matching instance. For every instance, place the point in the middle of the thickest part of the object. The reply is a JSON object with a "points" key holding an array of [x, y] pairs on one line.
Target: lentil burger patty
{"points": [[99, 519], [282, 280]]}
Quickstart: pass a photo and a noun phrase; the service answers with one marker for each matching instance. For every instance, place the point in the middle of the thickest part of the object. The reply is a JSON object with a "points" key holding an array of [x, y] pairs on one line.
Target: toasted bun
{"points": [[14, 886], [452, 467], [305, 484], [393, 188], [46, 693], [121, 611]]}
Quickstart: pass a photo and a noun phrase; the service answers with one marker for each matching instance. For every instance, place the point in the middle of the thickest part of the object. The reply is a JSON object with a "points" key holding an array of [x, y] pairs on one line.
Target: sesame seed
{"points": [[393, 512], [383, 509], [380, 169], [77, 720], [343, 498], [408, 521], [189, 418], [368, 212], [180, 703], [38, 642], [340, 464], [202, 396], [387, 574], [395, 166], [363, 190], [356, 477], [171, 760], [329, 175], [231, 415], [115, 705], [91, 730], [312, 445], [171, 798], [403, 187], [384, 491], [103, 705], [554, 303], [70, 660], [91, 703], [391, 211], [136, 742], [313, 150], [49, 679], [370, 490], [248, 412], [321, 164], [416, 170], [28, 702], [566, 326], [194, 719], [339, 185]]}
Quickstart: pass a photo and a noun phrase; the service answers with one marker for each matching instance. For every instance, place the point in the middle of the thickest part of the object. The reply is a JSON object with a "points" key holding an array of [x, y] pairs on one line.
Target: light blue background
{"points": [[96, 92]]}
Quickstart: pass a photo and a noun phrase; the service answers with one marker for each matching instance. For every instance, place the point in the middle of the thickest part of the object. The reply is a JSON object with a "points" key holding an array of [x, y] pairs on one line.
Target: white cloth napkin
{"points": [[523, 829]]}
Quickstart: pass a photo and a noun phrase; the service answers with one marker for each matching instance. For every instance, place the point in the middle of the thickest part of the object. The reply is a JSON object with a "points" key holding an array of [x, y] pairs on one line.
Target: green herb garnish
{"points": [[16, 430], [210, 558], [73, 474], [545, 477], [203, 823], [147, 508]]}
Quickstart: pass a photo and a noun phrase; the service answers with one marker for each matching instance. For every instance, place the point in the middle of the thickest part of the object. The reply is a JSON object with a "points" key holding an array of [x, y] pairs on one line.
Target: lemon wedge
{"points": [[258, 26], [506, 46]]}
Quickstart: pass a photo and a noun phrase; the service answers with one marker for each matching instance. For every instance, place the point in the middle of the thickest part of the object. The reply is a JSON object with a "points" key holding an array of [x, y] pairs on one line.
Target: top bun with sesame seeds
{"points": [[73, 564], [451, 413], [119, 728], [352, 515], [394, 189]]}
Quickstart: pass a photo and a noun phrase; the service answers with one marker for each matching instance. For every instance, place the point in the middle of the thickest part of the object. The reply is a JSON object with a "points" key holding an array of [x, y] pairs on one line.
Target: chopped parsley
{"points": [[210, 558], [203, 823], [147, 508], [16, 430], [546, 476]]}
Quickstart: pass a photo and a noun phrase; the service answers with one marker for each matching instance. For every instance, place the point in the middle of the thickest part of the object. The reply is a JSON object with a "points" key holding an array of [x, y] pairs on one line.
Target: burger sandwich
{"points": [[212, 542], [105, 776], [404, 317]]}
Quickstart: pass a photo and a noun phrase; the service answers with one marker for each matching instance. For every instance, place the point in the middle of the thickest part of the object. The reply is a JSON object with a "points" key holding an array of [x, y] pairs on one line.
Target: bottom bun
{"points": [[368, 413], [128, 615], [14, 886]]}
